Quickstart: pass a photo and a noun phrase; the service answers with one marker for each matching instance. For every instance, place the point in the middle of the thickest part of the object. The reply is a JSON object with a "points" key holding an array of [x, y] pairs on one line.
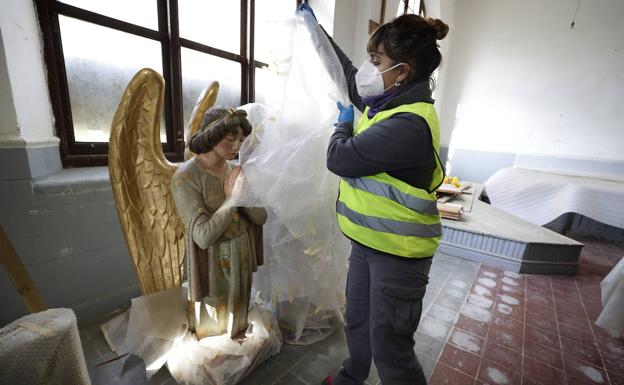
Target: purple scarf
{"points": [[375, 103]]}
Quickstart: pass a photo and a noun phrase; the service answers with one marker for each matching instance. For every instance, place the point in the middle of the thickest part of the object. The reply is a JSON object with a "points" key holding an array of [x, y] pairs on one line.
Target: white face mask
{"points": [[369, 81]]}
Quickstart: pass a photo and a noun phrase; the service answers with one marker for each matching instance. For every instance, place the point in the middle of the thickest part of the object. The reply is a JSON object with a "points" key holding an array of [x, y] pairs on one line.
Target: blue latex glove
{"points": [[305, 7], [346, 113]]}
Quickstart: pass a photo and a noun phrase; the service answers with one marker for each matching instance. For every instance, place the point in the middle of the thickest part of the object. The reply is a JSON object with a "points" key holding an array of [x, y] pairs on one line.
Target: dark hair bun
{"points": [[440, 28]]}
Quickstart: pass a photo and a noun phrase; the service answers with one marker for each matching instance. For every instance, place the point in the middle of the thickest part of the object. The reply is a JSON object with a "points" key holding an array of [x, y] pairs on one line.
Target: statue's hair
{"points": [[218, 122]]}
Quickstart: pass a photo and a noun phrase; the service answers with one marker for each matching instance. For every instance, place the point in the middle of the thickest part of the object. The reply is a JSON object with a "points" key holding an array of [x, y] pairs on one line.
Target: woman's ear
{"points": [[404, 73]]}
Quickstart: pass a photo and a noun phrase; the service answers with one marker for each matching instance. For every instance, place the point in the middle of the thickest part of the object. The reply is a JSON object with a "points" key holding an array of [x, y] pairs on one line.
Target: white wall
{"points": [[350, 24], [445, 11], [520, 80], [23, 64], [8, 118], [324, 12], [344, 25]]}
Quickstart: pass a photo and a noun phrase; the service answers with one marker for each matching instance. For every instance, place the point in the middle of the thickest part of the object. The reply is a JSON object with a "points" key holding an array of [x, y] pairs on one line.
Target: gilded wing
{"points": [[140, 176], [206, 99]]}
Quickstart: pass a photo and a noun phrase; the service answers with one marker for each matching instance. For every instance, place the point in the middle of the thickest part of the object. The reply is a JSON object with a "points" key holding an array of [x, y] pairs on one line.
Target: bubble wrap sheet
{"points": [[43, 348], [284, 164]]}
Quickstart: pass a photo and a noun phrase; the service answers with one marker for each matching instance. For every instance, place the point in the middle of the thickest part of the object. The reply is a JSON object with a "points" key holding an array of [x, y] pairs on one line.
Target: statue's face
{"points": [[229, 146]]}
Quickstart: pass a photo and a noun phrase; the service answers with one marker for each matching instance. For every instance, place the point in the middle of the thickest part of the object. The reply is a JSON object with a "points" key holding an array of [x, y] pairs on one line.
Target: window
{"points": [[93, 48], [409, 6]]}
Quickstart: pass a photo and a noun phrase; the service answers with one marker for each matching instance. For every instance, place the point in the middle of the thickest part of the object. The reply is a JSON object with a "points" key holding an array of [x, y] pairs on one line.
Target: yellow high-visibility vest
{"points": [[387, 214]]}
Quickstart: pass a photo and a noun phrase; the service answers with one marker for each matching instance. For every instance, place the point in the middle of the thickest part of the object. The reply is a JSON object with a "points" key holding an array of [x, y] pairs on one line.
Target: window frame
{"points": [[422, 9], [84, 154]]}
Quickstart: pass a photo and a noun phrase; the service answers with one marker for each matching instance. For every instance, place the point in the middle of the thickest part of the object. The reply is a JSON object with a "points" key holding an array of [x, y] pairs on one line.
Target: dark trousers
{"points": [[384, 304]]}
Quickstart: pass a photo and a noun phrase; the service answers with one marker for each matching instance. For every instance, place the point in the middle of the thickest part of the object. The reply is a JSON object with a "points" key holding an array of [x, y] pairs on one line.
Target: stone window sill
{"points": [[73, 180]]}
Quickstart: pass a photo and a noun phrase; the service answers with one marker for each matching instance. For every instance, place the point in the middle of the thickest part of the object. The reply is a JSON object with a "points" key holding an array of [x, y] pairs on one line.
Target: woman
{"points": [[390, 168], [221, 252]]}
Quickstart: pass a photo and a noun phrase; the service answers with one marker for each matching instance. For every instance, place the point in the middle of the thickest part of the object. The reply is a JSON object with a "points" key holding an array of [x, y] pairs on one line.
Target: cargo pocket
{"points": [[399, 308]]}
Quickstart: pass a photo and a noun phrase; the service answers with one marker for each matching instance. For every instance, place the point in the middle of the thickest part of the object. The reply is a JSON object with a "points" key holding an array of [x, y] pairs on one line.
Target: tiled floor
{"points": [[535, 329], [479, 326]]}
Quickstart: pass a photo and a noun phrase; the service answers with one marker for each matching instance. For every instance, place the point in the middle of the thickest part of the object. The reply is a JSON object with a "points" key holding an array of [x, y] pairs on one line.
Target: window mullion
{"points": [[163, 29], [105, 21], [244, 52], [175, 81], [57, 77], [251, 68], [211, 50]]}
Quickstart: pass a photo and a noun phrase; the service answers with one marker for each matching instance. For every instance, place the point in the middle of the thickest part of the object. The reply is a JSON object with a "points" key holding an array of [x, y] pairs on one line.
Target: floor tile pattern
{"points": [[535, 329]]}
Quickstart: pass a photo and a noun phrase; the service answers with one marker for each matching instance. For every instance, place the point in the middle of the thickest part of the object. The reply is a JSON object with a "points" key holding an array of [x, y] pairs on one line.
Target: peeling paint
{"points": [[510, 281], [592, 374], [465, 341], [482, 291], [510, 300], [487, 282], [497, 376], [504, 308]]}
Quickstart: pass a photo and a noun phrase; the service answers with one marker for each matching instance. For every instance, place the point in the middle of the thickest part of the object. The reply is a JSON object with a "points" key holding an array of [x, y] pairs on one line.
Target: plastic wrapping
{"points": [[43, 348], [284, 164], [158, 333], [612, 292], [541, 197], [156, 322]]}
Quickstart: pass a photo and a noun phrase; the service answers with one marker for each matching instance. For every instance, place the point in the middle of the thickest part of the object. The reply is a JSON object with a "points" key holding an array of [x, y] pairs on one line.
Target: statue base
{"points": [[157, 331]]}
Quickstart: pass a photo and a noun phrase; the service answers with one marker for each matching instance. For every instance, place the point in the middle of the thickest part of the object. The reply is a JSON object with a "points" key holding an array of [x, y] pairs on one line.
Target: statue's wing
{"points": [[140, 176], [206, 99]]}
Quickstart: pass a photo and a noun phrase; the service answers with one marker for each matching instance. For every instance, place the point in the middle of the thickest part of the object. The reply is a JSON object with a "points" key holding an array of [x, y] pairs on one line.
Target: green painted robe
{"points": [[225, 253]]}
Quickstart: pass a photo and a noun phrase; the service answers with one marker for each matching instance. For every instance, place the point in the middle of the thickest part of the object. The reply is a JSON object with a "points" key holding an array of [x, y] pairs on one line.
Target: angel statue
{"points": [[221, 241], [158, 202]]}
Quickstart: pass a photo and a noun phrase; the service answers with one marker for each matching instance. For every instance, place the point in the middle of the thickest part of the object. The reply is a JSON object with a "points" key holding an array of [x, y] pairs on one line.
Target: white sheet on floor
{"points": [[541, 197], [158, 333], [612, 291], [43, 348]]}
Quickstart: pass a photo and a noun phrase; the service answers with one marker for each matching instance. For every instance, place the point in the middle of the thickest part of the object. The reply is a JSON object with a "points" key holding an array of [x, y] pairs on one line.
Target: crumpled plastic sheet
{"points": [[541, 197], [43, 348], [612, 292], [158, 333], [284, 164]]}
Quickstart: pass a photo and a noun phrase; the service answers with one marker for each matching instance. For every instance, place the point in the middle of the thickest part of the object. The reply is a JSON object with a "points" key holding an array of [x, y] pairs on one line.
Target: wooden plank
{"points": [[19, 276], [450, 210]]}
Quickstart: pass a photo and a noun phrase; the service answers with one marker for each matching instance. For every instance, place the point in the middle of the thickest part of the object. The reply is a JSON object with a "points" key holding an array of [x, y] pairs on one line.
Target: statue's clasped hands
{"points": [[233, 184]]}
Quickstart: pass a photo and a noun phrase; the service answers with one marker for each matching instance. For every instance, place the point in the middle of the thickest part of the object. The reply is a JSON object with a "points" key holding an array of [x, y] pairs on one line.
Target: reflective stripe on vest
{"points": [[390, 225], [425, 206], [387, 214]]}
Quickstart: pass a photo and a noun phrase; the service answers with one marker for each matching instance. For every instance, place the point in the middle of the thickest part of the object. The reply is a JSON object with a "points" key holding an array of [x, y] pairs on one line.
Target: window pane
{"points": [[270, 22], [268, 88], [99, 63], [199, 69], [215, 23], [141, 12]]}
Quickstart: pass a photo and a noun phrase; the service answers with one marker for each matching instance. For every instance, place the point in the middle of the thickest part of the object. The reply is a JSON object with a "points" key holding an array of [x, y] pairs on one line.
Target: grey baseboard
{"points": [[511, 255]]}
